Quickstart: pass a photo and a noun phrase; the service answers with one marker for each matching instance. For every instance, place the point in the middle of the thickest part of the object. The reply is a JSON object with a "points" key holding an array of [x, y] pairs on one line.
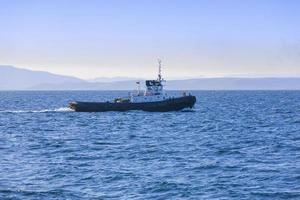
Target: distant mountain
{"points": [[120, 85], [190, 84], [12, 78], [236, 84]]}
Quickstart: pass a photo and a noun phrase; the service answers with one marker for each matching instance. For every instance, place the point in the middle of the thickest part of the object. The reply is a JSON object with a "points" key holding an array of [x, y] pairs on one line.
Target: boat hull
{"points": [[173, 104]]}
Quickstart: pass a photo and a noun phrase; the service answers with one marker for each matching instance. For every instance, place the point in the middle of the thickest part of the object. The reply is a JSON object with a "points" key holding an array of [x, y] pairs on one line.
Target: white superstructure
{"points": [[154, 90]]}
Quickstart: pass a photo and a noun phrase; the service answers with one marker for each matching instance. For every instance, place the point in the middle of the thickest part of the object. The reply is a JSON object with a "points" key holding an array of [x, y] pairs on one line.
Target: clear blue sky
{"points": [[124, 38]]}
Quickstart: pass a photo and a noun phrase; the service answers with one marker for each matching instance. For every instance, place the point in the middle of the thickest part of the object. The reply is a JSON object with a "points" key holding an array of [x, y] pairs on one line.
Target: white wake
{"points": [[62, 109]]}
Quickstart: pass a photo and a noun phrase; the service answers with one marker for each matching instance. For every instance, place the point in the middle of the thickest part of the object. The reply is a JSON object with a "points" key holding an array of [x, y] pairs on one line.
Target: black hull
{"points": [[173, 104]]}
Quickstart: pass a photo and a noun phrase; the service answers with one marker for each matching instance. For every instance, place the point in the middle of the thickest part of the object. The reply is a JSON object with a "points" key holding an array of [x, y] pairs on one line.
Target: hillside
{"points": [[12, 78]]}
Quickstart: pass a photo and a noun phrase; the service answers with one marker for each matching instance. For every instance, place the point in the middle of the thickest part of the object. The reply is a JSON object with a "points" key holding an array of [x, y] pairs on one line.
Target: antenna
{"points": [[159, 70]]}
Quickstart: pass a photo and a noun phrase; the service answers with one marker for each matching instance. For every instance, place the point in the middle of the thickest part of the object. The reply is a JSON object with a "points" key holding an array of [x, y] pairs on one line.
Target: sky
{"points": [[194, 38]]}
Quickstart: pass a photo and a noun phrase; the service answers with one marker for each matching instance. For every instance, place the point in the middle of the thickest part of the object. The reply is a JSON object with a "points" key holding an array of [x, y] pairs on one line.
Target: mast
{"points": [[159, 70]]}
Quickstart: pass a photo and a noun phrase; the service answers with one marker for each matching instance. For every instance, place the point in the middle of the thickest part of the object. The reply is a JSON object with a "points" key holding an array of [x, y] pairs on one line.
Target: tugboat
{"points": [[153, 99]]}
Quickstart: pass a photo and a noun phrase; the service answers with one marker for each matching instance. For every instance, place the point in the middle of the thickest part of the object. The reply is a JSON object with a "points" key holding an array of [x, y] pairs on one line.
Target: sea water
{"points": [[232, 145]]}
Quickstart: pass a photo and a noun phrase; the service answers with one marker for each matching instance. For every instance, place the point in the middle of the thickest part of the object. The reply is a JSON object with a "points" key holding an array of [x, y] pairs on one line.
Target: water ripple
{"points": [[233, 145]]}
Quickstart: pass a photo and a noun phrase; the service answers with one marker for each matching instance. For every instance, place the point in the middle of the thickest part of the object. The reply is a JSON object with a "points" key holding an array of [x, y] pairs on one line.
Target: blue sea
{"points": [[232, 145]]}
